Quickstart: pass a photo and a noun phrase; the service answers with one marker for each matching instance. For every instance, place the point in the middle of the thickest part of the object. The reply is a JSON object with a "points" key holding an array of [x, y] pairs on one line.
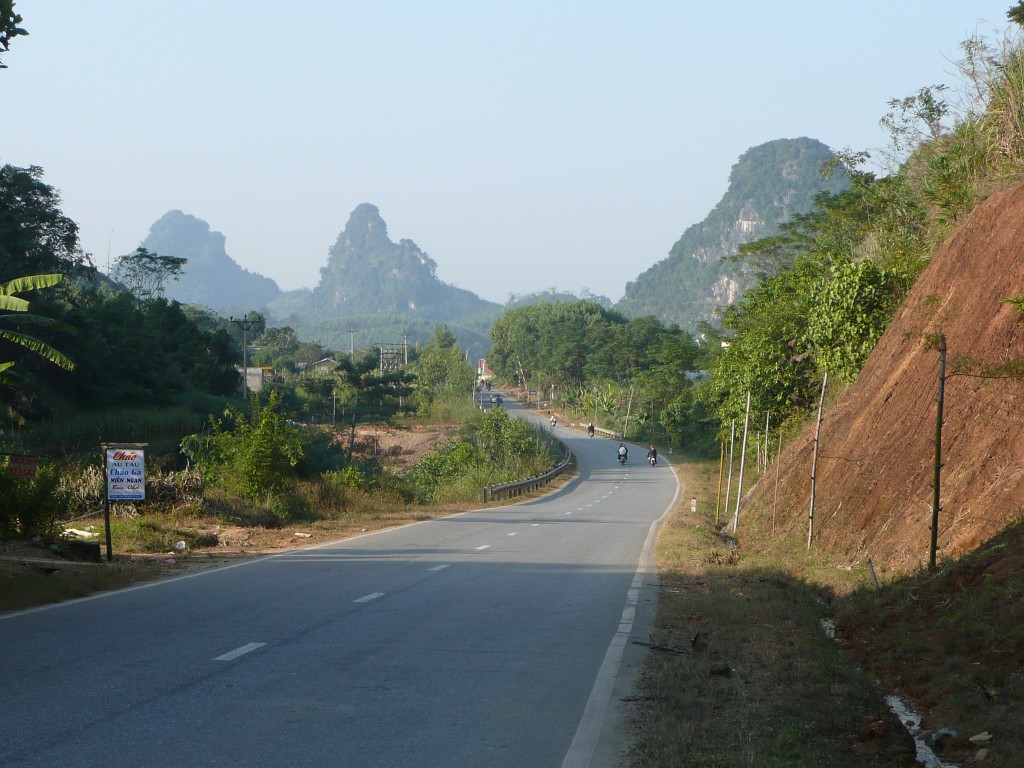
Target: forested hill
{"points": [[385, 290], [210, 277], [767, 186]]}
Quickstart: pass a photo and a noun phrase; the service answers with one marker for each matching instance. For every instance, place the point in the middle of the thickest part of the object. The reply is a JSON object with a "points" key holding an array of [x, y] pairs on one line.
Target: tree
{"points": [[441, 370], [144, 273], [373, 397], [35, 236], [1016, 14], [9, 21]]}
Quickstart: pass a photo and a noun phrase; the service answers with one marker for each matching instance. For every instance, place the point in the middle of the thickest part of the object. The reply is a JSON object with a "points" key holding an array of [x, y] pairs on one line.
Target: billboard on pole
{"points": [[126, 474]]}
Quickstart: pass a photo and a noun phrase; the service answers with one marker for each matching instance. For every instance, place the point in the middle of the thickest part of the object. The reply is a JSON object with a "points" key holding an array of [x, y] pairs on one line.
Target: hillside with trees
{"points": [[768, 185]]}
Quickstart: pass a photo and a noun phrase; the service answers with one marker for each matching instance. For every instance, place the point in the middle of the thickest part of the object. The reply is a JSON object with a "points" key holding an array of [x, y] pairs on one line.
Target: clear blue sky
{"points": [[523, 145]]}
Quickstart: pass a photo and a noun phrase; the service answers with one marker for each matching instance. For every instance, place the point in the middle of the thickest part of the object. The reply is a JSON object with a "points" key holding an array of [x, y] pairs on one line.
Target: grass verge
{"points": [[742, 672]]}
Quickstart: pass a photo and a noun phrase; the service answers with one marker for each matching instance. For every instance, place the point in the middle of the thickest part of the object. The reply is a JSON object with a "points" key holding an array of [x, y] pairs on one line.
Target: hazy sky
{"points": [[523, 145]]}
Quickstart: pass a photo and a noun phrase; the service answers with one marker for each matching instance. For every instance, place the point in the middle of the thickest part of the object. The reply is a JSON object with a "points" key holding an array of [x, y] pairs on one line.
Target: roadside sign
{"points": [[126, 474], [21, 466], [693, 504], [125, 468]]}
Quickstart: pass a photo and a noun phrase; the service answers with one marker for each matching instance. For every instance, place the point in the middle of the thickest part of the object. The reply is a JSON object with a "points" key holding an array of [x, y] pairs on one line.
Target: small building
{"points": [[254, 378], [323, 367]]}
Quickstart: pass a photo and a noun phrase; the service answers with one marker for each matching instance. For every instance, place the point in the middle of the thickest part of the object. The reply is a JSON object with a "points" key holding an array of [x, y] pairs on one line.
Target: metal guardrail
{"points": [[519, 487]]}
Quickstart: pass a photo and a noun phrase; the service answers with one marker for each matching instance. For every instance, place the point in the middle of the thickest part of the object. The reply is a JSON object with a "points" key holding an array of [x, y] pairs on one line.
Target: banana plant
{"points": [[14, 314]]}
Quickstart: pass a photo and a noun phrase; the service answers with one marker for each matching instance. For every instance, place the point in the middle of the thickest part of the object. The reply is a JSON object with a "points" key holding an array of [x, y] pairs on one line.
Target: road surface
{"points": [[490, 638]]}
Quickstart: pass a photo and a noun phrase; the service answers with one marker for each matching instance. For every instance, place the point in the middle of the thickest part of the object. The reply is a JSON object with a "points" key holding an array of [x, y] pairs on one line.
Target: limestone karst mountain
{"points": [[210, 277], [387, 291], [767, 186]]}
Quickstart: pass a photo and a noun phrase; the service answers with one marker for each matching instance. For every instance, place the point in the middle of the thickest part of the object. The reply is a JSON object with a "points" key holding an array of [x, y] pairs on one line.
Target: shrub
{"points": [[254, 455], [29, 506]]}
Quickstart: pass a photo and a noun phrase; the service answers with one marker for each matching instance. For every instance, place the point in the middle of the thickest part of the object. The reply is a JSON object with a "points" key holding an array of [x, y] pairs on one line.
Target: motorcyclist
{"points": [[622, 453], [590, 429], [554, 420], [652, 455]]}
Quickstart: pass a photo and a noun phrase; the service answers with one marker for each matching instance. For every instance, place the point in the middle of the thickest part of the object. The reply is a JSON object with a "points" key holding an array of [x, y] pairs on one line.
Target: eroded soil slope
{"points": [[876, 464]]}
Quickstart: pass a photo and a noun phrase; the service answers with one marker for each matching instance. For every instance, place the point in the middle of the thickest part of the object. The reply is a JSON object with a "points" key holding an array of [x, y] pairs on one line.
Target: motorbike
{"points": [[622, 459], [653, 460]]}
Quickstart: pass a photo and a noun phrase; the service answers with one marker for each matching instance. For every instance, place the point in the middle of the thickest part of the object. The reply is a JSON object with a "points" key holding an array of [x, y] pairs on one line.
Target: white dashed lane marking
{"points": [[369, 597], [439, 567], [230, 655]]}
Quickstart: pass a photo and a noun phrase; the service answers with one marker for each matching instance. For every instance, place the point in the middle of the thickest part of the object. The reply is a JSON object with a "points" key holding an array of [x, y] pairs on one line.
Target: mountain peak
{"points": [[768, 185], [210, 276], [365, 227]]}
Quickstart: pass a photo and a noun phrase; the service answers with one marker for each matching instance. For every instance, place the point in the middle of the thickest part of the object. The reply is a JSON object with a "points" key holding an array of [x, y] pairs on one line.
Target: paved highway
{"points": [[491, 638]]}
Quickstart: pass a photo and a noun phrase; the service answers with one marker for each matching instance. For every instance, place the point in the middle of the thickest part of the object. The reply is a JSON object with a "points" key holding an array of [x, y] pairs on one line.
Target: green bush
{"points": [[252, 455], [441, 466], [29, 506]]}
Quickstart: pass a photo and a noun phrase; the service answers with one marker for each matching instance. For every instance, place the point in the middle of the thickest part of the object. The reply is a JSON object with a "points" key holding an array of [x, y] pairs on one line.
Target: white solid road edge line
{"points": [[584, 743], [248, 647]]}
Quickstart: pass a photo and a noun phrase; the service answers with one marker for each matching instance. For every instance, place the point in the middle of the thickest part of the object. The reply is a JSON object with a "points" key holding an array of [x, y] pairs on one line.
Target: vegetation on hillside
{"points": [[594, 364], [115, 361], [769, 184], [827, 282], [832, 278]]}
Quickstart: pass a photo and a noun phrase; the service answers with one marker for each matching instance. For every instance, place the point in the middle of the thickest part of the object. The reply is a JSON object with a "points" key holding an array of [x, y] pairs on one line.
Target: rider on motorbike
{"points": [[622, 453], [652, 455], [590, 429]]}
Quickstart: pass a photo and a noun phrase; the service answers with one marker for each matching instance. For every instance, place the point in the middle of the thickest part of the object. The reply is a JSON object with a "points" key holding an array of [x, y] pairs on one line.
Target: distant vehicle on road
{"points": [[496, 399]]}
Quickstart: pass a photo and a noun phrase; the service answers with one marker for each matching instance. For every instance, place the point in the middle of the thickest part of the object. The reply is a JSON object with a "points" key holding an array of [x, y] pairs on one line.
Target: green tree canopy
{"points": [[35, 236], [145, 273], [9, 26], [440, 367]]}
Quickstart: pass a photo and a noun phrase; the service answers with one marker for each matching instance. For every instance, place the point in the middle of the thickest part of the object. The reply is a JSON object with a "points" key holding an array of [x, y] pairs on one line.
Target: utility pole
{"points": [[814, 462], [728, 483], [743, 457], [245, 324], [629, 405], [351, 343], [938, 452], [109, 238], [721, 468]]}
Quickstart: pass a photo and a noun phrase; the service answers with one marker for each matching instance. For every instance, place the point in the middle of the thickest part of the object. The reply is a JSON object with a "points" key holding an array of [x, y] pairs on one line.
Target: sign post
{"points": [[124, 467]]}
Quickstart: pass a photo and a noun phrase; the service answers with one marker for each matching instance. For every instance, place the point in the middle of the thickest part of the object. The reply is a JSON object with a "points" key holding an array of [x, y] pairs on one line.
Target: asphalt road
{"points": [[491, 638]]}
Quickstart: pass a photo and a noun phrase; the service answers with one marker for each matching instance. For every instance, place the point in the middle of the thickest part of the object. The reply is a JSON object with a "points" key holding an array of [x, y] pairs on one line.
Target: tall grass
{"points": [[71, 435]]}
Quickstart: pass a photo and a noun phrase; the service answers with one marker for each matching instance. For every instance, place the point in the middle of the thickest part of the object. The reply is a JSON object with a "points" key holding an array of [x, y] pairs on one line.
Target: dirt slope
{"points": [[876, 463]]}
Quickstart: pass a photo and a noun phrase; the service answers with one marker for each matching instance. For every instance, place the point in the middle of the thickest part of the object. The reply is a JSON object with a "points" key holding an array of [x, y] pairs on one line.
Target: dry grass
{"points": [[742, 673]]}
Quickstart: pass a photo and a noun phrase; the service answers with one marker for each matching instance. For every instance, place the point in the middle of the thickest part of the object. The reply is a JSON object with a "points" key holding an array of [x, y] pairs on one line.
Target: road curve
{"points": [[489, 638]]}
